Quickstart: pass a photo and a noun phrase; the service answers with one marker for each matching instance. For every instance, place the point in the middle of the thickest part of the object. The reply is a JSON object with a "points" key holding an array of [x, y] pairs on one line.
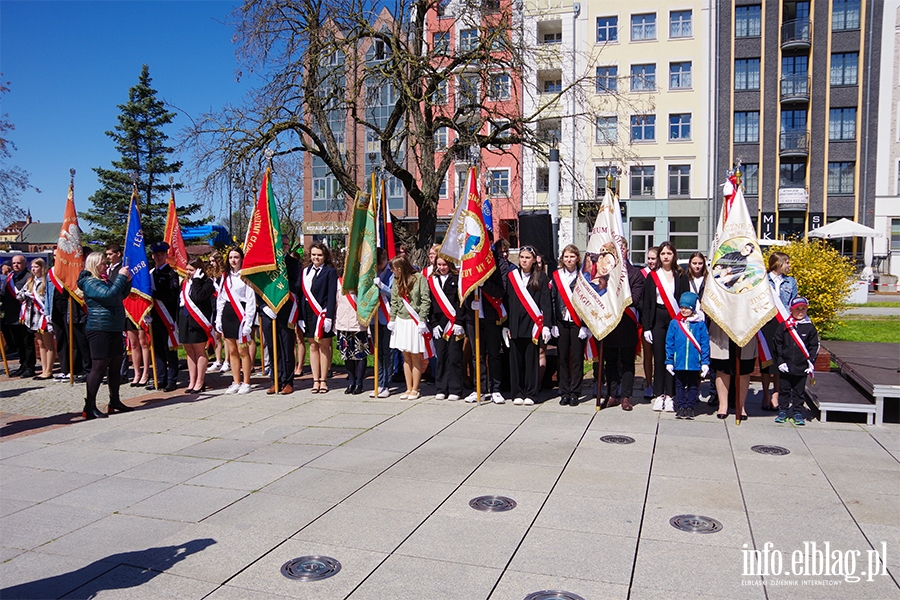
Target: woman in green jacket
{"points": [[409, 329]]}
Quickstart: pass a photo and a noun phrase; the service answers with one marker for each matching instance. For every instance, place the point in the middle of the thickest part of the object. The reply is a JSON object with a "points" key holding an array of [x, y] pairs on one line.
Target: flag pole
{"points": [[71, 347], [376, 345], [275, 355], [477, 348], [152, 356], [3, 352]]}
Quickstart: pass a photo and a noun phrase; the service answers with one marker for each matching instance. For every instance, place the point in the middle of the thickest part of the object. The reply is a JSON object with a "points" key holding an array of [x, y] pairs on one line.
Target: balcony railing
{"points": [[795, 88], [794, 143], [796, 34]]}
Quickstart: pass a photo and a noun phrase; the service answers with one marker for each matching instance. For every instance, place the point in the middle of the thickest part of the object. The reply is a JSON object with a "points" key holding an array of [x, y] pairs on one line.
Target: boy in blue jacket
{"points": [[687, 355]]}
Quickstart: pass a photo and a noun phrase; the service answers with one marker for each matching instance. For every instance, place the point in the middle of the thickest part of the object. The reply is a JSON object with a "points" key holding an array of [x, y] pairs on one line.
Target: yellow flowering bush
{"points": [[824, 278]]}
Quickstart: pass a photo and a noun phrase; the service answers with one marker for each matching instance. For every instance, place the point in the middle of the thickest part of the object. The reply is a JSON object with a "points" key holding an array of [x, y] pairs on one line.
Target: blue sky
{"points": [[70, 63]]}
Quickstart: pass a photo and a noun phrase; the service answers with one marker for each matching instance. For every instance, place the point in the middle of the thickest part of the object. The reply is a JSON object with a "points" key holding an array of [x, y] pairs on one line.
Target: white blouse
{"points": [[242, 293]]}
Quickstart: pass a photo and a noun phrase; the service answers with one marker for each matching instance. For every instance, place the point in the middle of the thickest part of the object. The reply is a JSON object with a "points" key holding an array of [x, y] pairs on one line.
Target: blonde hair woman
{"points": [[37, 298]]}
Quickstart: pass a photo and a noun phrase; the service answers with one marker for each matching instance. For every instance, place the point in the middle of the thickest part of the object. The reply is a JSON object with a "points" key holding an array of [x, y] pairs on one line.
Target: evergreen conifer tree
{"points": [[142, 145]]}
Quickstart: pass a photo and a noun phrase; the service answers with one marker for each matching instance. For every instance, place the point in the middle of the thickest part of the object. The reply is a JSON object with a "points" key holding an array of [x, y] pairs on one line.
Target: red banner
{"points": [[177, 256]]}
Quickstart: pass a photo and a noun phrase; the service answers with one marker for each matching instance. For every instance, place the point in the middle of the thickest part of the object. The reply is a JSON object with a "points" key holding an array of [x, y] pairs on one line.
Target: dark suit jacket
{"points": [[436, 316], [648, 313], [520, 323], [625, 335], [9, 302], [324, 289]]}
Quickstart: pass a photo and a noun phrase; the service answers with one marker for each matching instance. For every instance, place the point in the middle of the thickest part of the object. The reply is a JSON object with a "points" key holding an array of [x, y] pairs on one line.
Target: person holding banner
{"points": [[105, 324], [647, 347], [195, 329], [15, 331], [235, 315], [530, 321], [384, 281], [353, 339], [166, 291], [660, 307], [410, 304], [36, 297], [621, 344], [784, 290], [492, 316], [446, 324], [571, 333], [319, 284]]}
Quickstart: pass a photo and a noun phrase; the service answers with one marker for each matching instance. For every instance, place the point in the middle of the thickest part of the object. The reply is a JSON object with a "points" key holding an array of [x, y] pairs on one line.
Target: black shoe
{"points": [[357, 390], [679, 414], [26, 374], [150, 387], [16, 372], [171, 386], [81, 378], [350, 389], [118, 406], [92, 413], [564, 401], [573, 400], [689, 414]]}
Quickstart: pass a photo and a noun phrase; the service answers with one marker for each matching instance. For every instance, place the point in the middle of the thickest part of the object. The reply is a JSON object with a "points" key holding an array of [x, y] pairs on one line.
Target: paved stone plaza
{"points": [[207, 497]]}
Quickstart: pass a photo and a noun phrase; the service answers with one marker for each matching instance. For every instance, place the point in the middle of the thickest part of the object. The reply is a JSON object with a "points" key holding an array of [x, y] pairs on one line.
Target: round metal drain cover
{"points": [[492, 503], [695, 524], [771, 450], [310, 568], [617, 439], [553, 595]]}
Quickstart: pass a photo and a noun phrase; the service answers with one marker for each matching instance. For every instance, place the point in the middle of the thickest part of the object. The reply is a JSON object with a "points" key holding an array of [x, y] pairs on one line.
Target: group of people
{"points": [[421, 327]]}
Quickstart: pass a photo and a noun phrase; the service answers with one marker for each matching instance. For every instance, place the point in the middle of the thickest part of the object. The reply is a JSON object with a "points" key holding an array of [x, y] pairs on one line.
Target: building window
{"points": [[500, 87], [793, 175], [895, 234], [549, 131], [440, 138], [442, 191], [607, 78], [607, 130], [793, 121], [842, 124], [551, 86], [499, 182], [844, 68], [642, 181], [643, 27], [683, 233], [542, 183], [679, 127], [499, 128], [440, 94], [440, 42], [748, 21], [600, 181], [845, 15], [897, 191], [746, 74], [643, 78], [746, 127], [468, 90], [643, 128], [680, 24], [841, 178], [552, 38], [468, 40], [750, 178], [607, 29], [679, 181], [680, 75]]}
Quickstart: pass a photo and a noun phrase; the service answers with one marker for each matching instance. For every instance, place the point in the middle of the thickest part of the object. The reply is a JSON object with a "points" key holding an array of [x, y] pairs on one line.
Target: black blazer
{"points": [[520, 323], [166, 288], [625, 333], [648, 312], [324, 289], [495, 285], [202, 294], [559, 307], [451, 289]]}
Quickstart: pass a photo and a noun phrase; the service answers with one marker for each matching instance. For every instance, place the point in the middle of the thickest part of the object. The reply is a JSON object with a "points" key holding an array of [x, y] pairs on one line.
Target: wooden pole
{"points": [[275, 355], [600, 371], [376, 349], [736, 382], [71, 347], [152, 355], [3, 352], [478, 348]]}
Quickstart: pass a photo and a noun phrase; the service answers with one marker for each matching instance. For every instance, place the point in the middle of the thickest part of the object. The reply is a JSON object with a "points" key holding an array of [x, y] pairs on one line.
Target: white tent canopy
{"points": [[845, 228]]}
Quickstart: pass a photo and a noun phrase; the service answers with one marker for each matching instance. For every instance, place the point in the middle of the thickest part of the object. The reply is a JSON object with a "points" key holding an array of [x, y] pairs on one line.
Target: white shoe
{"points": [[225, 368], [233, 388], [61, 376], [452, 397], [670, 404], [527, 401], [659, 403], [473, 397], [214, 367], [518, 401], [244, 389], [648, 392], [442, 396], [497, 398], [384, 393]]}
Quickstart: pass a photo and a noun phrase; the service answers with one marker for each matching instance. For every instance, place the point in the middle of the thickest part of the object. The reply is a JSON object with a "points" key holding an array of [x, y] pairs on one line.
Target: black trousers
{"points": [[570, 352], [448, 365], [491, 368], [166, 358], [23, 341], [687, 388], [660, 329], [286, 339], [619, 370], [524, 368], [80, 353], [792, 392]]}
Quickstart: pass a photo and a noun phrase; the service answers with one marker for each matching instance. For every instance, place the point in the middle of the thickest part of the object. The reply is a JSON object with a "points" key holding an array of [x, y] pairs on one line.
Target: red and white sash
{"points": [[566, 294], [168, 322], [635, 316], [195, 312], [52, 276], [783, 312], [444, 304], [765, 353], [497, 303], [591, 352], [294, 315], [687, 332], [238, 310], [645, 271], [429, 339], [39, 307], [791, 326], [351, 297], [664, 293], [317, 307], [518, 284]]}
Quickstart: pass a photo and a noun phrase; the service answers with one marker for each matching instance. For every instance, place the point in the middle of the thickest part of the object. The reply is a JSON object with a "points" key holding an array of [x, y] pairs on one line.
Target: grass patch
{"points": [[866, 329], [876, 305]]}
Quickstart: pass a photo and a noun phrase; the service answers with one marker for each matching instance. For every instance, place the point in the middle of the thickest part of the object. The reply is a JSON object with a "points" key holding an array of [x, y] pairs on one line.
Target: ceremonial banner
{"points": [[467, 243], [357, 229], [368, 293], [177, 256], [385, 224], [139, 301], [737, 296], [69, 260], [264, 269], [602, 292]]}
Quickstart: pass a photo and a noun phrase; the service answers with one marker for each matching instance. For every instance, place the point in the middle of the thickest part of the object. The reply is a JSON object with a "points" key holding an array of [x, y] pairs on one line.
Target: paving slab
{"points": [[36, 576], [376, 529], [237, 475], [127, 582], [415, 578], [515, 585], [190, 503], [270, 514], [172, 469]]}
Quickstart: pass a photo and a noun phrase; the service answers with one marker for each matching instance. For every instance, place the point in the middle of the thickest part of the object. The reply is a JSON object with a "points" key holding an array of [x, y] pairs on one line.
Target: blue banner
{"points": [[138, 303]]}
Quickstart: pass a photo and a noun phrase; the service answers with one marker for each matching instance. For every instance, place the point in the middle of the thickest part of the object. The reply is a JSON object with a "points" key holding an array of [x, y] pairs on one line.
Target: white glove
{"points": [[670, 369], [421, 328], [218, 328], [476, 305], [327, 325], [436, 332], [545, 334], [390, 326], [49, 327], [648, 337], [379, 284], [247, 329], [302, 325], [198, 274], [783, 368], [584, 333], [810, 367], [458, 330], [148, 319], [704, 370], [505, 334], [554, 331]]}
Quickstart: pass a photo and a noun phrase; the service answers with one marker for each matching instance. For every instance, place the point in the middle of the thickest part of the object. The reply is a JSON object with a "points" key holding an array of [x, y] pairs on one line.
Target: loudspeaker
{"points": [[536, 230]]}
